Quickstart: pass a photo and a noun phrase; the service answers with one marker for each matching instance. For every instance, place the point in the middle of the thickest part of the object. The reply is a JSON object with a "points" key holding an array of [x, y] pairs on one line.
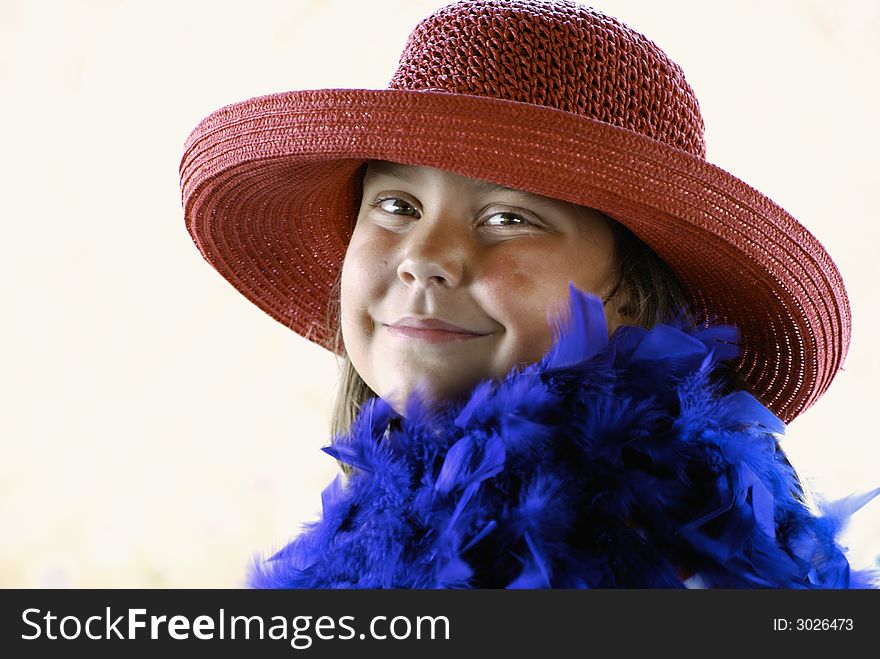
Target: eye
{"points": [[507, 219], [391, 204]]}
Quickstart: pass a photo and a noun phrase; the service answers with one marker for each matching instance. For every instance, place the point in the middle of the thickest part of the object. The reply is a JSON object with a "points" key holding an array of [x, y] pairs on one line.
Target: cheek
{"points": [[519, 296], [523, 294], [359, 288], [362, 274]]}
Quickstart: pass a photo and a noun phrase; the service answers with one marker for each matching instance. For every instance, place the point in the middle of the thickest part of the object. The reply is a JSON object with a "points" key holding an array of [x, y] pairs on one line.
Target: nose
{"points": [[435, 254]]}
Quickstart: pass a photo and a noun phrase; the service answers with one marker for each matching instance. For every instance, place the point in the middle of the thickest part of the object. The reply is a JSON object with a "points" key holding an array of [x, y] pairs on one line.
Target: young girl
{"points": [[569, 342]]}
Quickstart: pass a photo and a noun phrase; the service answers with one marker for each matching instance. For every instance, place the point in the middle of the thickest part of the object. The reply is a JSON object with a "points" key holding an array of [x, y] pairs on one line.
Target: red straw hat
{"points": [[549, 97]]}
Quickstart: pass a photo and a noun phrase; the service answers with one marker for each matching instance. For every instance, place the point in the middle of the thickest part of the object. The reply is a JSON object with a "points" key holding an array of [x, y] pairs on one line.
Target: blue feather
{"points": [[667, 344], [477, 399], [744, 405], [581, 333], [455, 464], [840, 510], [332, 494], [608, 463]]}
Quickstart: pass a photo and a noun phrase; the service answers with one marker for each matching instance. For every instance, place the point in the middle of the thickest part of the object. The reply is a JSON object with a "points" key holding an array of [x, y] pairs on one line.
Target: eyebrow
{"points": [[408, 175]]}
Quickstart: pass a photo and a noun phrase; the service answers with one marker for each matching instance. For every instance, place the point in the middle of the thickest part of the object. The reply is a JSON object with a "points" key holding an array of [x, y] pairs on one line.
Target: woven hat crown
{"points": [[561, 55]]}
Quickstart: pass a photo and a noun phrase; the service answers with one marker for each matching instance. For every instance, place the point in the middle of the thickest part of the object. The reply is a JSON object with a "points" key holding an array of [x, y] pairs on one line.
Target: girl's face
{"points": [[449, 280]]}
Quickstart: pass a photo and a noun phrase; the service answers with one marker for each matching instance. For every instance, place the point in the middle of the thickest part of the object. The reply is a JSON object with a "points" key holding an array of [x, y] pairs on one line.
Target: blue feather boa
{"points": [[608, 464]]}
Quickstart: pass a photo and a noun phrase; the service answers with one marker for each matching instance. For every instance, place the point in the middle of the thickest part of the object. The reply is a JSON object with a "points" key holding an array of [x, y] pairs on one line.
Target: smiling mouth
{"points": [[430, 335]]}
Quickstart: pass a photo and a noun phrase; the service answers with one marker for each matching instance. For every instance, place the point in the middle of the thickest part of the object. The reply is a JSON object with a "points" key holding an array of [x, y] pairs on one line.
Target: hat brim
{"points": [[270, 185]]}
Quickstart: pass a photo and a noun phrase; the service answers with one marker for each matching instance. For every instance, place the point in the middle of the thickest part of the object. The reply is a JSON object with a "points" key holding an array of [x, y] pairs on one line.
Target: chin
{"points": [[434, 395]]}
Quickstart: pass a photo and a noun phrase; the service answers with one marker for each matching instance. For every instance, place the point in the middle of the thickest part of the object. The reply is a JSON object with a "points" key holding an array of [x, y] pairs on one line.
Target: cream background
{"points": [[155, 428]]}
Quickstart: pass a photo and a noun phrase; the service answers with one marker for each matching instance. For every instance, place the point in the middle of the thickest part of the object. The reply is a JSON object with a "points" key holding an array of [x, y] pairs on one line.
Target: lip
{"points": [[431, 330]]}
